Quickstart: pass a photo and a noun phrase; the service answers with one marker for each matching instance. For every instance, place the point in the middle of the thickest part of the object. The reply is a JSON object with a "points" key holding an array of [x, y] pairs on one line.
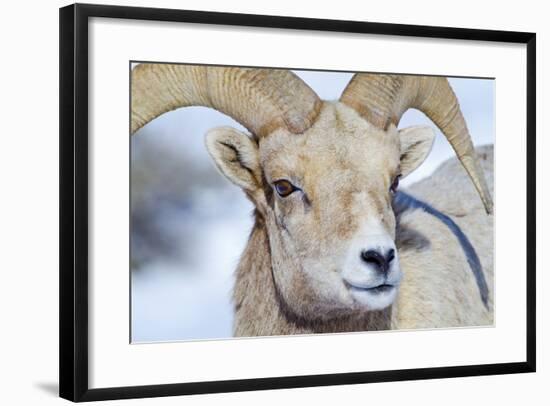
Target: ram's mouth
{"points": [[383, 288]]}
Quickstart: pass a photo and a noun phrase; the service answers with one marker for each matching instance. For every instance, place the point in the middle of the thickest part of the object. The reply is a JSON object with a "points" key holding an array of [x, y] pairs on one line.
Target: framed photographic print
{"points": [[256, 202]]}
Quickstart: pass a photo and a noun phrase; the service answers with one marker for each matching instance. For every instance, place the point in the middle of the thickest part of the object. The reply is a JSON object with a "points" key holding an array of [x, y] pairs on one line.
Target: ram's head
{"points": [[321, 174]]}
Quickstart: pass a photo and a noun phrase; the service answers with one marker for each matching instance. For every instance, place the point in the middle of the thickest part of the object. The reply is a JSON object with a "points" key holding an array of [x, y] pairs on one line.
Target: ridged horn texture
{"points": [[383, 99], [262, 100]]}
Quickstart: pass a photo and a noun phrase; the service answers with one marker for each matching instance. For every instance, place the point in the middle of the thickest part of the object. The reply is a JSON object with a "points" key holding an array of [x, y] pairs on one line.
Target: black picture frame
{"points": [[73, 313]]}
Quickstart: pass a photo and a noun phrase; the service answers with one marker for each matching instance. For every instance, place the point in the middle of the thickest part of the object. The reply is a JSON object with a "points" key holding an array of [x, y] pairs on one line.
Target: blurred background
{"points": [[189, 224]]}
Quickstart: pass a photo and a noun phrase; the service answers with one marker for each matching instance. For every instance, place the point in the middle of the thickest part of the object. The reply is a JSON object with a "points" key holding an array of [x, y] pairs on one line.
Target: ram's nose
{"points": [[380, 259]]}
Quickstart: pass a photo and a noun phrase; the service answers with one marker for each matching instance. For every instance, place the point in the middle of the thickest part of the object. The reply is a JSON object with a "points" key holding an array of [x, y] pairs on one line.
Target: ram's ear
{"points": [[416, 144], [236, 156]]}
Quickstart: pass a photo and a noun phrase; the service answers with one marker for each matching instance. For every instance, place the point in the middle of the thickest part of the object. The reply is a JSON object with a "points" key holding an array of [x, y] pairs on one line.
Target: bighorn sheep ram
{"points": [[335, 247]]}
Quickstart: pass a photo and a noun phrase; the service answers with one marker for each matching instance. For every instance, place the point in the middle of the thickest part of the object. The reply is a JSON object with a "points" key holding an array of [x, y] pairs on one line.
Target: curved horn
{"points": [[262, 100], [383, 99]]}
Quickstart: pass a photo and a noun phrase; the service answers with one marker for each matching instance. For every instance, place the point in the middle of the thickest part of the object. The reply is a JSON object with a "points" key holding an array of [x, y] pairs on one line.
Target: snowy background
{"points": [[189, 225]]}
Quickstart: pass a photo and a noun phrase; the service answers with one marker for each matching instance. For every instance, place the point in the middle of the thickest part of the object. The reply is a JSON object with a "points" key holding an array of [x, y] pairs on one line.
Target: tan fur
{"points": [[289, 280]]}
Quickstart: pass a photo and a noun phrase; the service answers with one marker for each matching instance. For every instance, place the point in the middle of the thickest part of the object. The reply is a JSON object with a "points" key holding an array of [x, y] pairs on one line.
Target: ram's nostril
{"points": [[391, 255]]}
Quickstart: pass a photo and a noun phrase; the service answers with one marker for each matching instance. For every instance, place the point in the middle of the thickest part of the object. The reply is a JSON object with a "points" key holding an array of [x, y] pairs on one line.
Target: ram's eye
{"points": [[284, 187], [395, 184]]}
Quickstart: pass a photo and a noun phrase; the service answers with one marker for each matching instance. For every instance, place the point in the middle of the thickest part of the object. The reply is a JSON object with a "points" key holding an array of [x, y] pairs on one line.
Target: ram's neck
{"points": [[257, 308]]}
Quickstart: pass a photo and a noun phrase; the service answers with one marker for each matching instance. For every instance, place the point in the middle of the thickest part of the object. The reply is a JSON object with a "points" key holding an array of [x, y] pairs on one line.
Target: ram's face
{"points": [[326, 198]]}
